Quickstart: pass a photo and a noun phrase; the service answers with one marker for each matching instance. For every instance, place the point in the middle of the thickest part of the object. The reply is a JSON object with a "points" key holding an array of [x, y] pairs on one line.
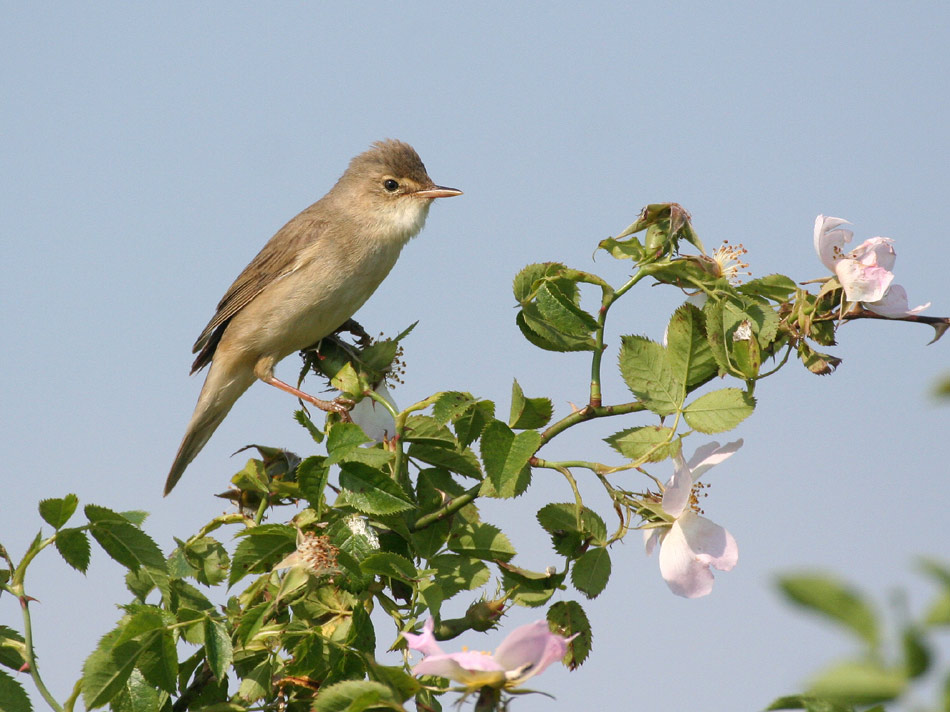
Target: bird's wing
{"points": [[275, 260]]}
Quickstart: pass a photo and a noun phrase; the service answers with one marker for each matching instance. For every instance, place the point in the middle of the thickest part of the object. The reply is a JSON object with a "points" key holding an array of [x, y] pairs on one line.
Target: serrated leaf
{"points": [[371, 491], [505, 454], [470, 424], [426, 429], [776, 287], [451, 404], [158, 660], [561, 312], [73, 546], [483, 541], [691, 358], [840, 603], [342, 439], [464, 463], [209, 560], [591, 572], [312, 476], [56, 512], [455, 572], [528, 413], [648, 443], [719, 411], [315, 433], [543, 335], [12, 648], [385, 563], [527, 280], [568, 618], [260, 549], [568, 535], [647, 371], [218, 648], [103, 677], [13, 697]]}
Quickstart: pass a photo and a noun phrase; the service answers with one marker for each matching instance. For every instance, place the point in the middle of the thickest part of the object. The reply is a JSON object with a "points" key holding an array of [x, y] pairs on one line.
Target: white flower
{"points": [[864, 272], [690, 543]]}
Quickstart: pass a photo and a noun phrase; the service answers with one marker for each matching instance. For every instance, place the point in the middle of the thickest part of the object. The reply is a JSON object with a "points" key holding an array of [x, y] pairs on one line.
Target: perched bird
{"points": [[307, 281]]}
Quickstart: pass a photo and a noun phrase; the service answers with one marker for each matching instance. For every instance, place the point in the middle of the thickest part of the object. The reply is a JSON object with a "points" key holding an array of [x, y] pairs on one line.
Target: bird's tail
{"points": [[221, 389]]}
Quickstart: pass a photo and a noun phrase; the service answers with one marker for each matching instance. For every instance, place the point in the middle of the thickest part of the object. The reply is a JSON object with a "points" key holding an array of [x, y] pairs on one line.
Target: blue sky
{"points": [[148, 152]]}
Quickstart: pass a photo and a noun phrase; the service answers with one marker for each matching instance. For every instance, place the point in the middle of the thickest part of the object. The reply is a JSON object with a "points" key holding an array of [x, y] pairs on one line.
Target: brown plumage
{"points": [[307, 280]]}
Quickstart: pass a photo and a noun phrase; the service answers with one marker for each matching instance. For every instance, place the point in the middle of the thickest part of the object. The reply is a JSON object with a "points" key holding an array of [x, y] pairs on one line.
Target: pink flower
{"points": [[864, 272], [690, 543], [526, 652]]}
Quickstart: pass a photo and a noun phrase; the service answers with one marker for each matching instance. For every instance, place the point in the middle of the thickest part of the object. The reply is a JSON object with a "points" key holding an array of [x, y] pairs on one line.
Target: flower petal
{"points": [[678, 488], [829, 242], [861, 282], [424, 642], [894, 304], [374, 418], [529, 649], [652, 537], [692, 545], [470, 668], [875, 251], [711, 454]]}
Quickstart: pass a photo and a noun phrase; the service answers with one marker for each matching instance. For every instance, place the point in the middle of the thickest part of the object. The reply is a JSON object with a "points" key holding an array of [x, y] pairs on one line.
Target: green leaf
{"points": [[482, 541], [73, 546], [809, 703], [342, 439], [691, 359], [260, 549], [386, 563], [464, 463], [103, 676], [371, 491], [536, 330], [56, 512], [528, 279], [530, 588], [719, 411], [859, 683], [451, 404], [12, 648], [828, 597], [568, 618], [647, 443], [571, 530], [647, 371], [301, 417], [506, 454], [560, 311], [158, 660], [209, 559], [355, 696], [138, 695], [591, 572], [426, 429], [528, 413], [13, 697], [470, 424], [776, 287], [917, 655], [312, 475], [124, 542], [218, 648], [454, 573]]}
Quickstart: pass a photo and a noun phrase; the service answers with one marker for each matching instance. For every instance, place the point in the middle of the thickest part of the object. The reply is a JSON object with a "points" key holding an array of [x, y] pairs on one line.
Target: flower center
{"points": [[728, 259]]}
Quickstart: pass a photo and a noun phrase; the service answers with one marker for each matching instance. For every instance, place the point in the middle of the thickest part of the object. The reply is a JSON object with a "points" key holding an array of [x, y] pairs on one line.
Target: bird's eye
{"points": [[390, 185]]}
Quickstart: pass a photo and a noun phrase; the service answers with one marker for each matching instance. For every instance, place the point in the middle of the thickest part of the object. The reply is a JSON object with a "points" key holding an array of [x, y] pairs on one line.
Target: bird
{"points": [[309, 279]]}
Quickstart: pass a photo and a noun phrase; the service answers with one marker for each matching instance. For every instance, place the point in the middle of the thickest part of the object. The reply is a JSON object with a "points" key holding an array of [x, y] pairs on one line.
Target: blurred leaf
{"points": [[528, 413], [859, 683], [719, 411], [647, 371], [312, 476], [482, 541], [917, 654], [809, 704], [841, 604], [591, 572], [13, 697], [568, 618], [73, 546], [56, 512], [371, 491], [647, 441]]}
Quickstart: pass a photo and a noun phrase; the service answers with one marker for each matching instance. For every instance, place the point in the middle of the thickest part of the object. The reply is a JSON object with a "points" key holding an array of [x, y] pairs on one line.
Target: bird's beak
{"points": [[437, 191]]}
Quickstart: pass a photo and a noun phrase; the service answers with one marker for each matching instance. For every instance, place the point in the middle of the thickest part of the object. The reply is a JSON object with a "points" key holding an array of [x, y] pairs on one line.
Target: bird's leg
{"points": [[340, 406]]}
